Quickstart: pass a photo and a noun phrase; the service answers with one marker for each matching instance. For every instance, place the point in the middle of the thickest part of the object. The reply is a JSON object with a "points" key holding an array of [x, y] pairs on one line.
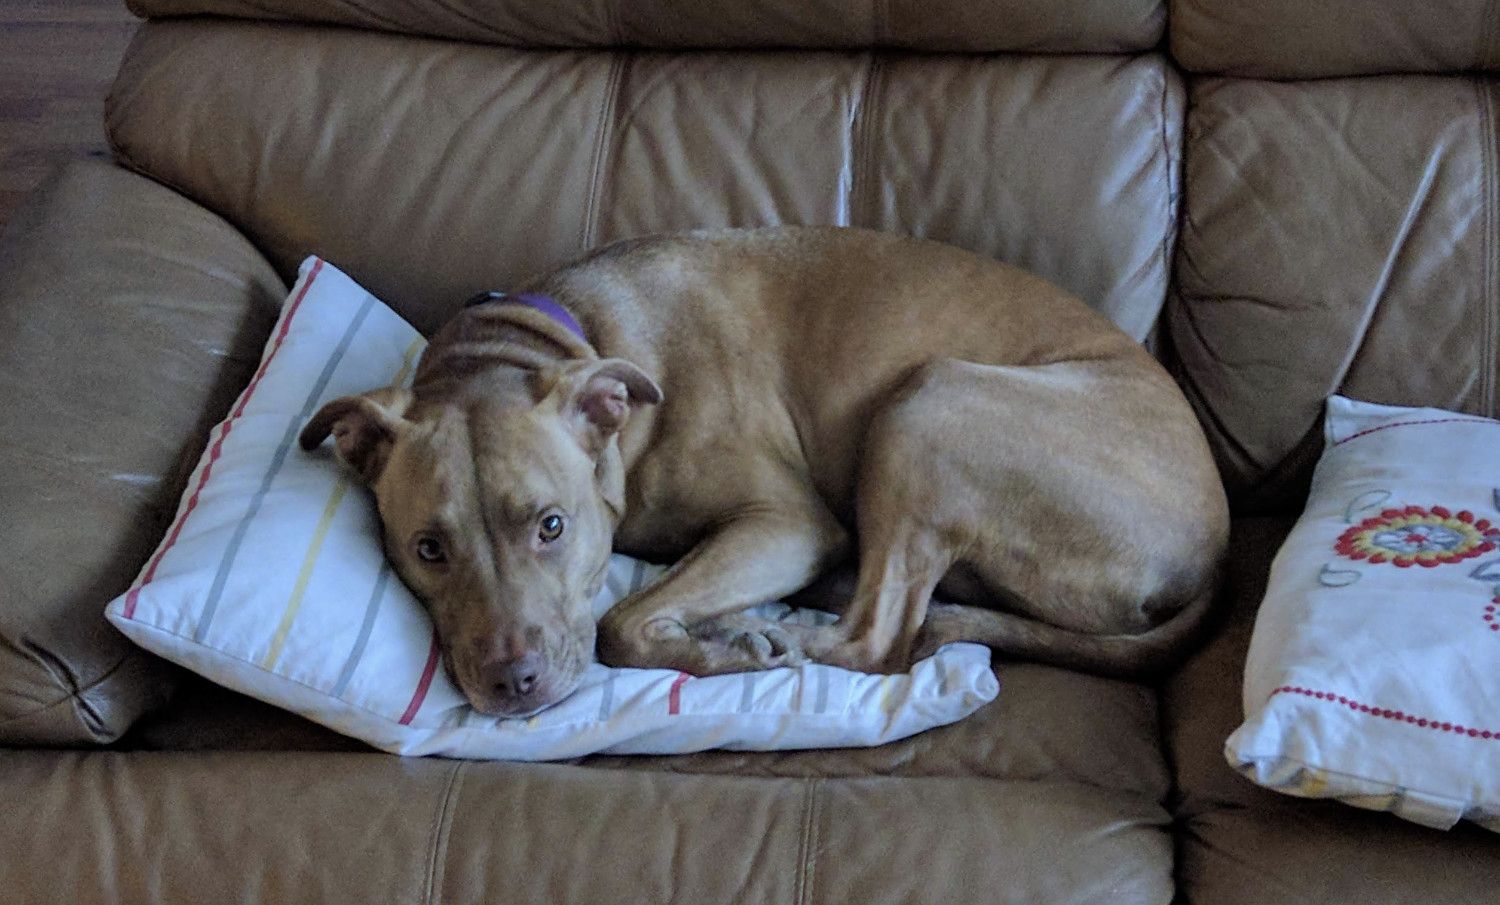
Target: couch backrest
{"points": [[1016, 26], [430, 169], [1305, 39], [1340, 235], [1337, 234]]}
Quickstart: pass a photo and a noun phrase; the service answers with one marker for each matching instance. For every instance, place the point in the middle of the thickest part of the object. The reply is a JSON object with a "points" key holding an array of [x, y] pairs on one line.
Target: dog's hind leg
{"points": [[905, 544], [1054, 492]]}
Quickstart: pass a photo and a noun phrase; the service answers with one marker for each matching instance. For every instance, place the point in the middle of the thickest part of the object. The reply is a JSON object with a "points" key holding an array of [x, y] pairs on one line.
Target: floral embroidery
{"points": [[1418, 536], [1368, 500]]}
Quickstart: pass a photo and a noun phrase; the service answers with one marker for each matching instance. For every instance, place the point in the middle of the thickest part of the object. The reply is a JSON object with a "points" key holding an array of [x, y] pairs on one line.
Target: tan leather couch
{"points": [[1284, 198]]}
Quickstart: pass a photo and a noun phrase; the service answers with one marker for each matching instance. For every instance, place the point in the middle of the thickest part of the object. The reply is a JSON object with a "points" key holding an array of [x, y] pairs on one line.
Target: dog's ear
{"points": [[597, 397], [363, 428]]}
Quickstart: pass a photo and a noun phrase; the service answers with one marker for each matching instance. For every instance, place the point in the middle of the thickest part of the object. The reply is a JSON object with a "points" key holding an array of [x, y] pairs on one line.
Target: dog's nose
{"points": [[515, 677]]}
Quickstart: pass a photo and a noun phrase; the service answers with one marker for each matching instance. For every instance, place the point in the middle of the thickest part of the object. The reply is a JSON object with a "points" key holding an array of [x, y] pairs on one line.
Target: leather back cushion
{"points": [[1339, 236], [1298, 39], [1061, 26], [429, 170]]}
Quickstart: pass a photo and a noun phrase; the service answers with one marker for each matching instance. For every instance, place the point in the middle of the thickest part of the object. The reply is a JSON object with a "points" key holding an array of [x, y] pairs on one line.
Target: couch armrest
{"points": [[129, 318]]}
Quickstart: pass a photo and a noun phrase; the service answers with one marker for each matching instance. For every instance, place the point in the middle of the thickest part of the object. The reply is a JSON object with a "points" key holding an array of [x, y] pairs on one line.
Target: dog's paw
{"points": [[770, 646], [757, 643]]}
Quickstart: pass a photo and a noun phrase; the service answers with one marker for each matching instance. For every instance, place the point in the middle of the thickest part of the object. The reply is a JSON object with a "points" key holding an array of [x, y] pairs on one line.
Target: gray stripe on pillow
{"points": [[747, 696], [376, 596], [821, 705], [216, 590], [607, 704]]}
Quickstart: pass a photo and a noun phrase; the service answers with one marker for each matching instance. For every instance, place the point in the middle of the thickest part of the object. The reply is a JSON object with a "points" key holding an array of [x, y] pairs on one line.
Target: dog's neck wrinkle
{"points": [[495, 385], [501, 335], [554, 345], [457, 362]]}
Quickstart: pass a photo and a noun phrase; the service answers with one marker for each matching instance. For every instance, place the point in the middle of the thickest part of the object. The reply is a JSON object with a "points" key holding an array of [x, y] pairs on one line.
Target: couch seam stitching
{"points": [[806, 868], [856, 149], [1173, 196], [1490, 292], [602, 149], [812, 841], [441, 823], [860, 202], [799, 891]]}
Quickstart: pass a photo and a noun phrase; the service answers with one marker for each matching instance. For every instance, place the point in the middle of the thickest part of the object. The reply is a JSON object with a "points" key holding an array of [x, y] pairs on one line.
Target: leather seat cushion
{"points": [[1240, 843]]}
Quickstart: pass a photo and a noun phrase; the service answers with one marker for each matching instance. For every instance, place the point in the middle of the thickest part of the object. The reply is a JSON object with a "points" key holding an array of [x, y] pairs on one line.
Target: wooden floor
{"points": [[57, 60]]}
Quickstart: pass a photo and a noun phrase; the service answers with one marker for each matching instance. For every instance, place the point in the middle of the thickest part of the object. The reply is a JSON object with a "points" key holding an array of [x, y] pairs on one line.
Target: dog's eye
{"points": [[550, 529], [430, 549]]}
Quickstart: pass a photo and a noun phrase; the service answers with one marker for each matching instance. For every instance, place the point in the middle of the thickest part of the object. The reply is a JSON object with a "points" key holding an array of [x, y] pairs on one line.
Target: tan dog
{"points": [[767, 406]]}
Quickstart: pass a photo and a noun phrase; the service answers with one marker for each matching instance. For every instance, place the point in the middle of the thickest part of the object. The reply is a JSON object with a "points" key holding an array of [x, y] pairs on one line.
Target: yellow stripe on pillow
{"points": [[278, 640]]}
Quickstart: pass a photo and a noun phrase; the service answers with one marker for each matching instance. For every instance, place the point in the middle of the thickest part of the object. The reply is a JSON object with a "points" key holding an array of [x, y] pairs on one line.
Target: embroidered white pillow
{"points": [[271, 581], [1374, 668]]}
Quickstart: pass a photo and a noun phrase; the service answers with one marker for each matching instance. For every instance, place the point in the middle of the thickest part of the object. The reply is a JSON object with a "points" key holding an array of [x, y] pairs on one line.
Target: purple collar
{"points": [[535, 302]]}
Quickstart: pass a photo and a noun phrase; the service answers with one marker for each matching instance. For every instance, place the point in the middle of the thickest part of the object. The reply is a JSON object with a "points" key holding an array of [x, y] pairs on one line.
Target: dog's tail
{"points": [[1128, 656]]}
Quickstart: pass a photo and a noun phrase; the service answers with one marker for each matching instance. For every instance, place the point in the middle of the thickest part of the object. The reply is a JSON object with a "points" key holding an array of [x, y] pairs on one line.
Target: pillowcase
{"points": [[272, 582], [1374, 669]]}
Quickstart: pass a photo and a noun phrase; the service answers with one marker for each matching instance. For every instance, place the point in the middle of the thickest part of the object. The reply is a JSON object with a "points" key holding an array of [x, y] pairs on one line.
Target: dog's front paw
{"points": [[770, 646], [759, 643]]}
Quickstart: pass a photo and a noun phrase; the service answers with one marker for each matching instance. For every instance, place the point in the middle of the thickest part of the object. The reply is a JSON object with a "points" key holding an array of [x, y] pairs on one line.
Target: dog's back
{"points": [[784, 342]]}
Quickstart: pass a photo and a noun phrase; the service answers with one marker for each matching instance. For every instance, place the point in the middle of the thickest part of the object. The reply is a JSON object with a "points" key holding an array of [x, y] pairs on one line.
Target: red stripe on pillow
{"points": [[674, 697], [218, 447], [423, 683], [213, 456]]}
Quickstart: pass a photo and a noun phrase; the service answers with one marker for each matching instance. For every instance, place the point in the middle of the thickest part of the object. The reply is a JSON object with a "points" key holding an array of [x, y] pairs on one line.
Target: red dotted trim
{"points": [[1382, 427], [1492, 615], [1396, 715]]}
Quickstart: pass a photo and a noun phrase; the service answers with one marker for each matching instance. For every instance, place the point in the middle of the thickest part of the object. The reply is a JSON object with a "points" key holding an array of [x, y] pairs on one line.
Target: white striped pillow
{"points": [[272, 582]]}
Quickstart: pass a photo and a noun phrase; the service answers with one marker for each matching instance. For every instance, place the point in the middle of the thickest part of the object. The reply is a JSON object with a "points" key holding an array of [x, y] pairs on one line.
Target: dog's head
{"points": [[498, 499]]}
